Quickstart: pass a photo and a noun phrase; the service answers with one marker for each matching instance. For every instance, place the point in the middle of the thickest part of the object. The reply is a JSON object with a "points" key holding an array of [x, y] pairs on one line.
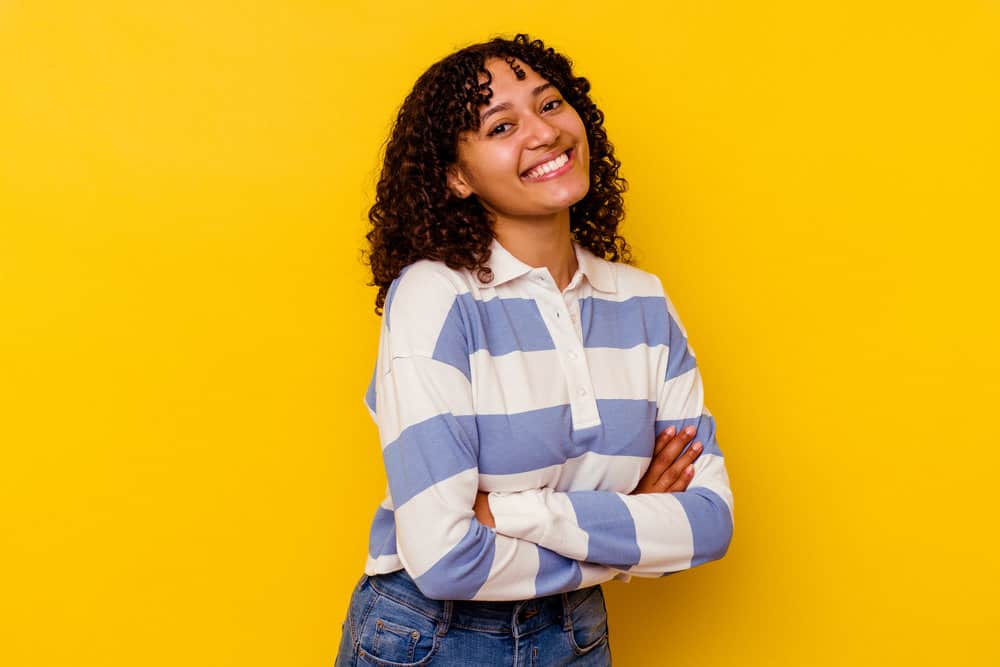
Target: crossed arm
{"points": [[545, 541]]}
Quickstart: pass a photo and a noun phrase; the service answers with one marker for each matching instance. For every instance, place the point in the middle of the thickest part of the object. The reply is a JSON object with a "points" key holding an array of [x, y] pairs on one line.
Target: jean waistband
{"points": [[519, 616]]}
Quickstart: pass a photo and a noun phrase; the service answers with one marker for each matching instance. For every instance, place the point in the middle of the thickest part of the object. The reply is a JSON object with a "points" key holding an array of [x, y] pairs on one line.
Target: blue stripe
{"points": [[382, 537], [624, 324], [636, 321], [539, 438], [679, 358], [428, 452], [506, 325], [556, 573], [711, 523], [452, 345], [606, 519], [500, 326], [705, 433], [461, 572], [370, 394], [444, 445]]}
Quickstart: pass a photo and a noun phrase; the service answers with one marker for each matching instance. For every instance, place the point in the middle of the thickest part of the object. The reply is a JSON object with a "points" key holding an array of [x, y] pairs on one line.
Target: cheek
{"points": [[492, 168]]}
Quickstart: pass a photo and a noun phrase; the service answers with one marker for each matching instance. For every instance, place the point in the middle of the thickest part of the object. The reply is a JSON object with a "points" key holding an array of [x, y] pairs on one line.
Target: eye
{"points": [[497, 130], [552, 104]]}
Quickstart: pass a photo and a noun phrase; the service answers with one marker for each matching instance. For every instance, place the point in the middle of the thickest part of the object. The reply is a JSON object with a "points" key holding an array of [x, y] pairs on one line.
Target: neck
{"points": [[539, 243]]}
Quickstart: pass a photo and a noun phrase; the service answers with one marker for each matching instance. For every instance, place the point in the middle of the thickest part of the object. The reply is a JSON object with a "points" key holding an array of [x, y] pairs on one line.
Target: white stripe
{"points": [[661, 531], [601, 472], [595, 574], [589, 471], [512, 573], [417, 389], [635, 374], [524, 381], [525, 515], [632, 282], [710, 472], [431, 523], [422, 300], [682, 397], [382, 564], [518, 381]]}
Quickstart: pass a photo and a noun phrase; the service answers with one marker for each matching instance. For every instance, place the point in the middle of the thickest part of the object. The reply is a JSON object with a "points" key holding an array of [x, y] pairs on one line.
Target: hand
{"points": [[668, 472], [482, 509]]}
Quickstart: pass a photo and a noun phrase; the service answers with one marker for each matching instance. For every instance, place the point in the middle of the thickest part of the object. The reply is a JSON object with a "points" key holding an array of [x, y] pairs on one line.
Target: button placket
{"points": [[572, 302], [567, 338]]}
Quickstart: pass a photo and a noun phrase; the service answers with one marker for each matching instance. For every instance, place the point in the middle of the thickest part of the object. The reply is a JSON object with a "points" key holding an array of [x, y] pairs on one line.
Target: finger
{"points": [[676, 470], [663, 439], [667, 456], [668, 445], [675, 464], [674, 446], [681, 483]]}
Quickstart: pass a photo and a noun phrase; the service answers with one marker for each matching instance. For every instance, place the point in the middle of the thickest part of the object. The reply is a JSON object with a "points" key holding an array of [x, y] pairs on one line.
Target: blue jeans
{"points": [[390, 623]]}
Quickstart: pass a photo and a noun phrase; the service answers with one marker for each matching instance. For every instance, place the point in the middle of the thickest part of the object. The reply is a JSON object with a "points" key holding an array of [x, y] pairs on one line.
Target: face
{"points": [[529, 158]]}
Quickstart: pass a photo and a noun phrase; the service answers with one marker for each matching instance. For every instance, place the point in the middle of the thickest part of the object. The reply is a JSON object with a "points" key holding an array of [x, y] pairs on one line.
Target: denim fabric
{"points": [[390, 623]]}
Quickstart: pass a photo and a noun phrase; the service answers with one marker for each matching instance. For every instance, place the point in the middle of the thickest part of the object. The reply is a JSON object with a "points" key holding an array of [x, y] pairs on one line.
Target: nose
{"points": [[541, 132]]}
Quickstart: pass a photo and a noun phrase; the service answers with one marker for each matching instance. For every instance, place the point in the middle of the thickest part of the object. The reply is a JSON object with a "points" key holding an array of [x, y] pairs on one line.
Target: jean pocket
{"points": [[588, 623], [396, 635]]}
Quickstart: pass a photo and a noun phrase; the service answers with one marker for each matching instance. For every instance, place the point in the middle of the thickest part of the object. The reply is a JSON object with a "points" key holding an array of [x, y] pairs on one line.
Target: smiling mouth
{"points": [[554, 166]]}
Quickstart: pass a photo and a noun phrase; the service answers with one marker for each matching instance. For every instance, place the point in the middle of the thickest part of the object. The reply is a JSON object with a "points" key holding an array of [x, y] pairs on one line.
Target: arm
{"points": [[424, 412], [647, 534]]}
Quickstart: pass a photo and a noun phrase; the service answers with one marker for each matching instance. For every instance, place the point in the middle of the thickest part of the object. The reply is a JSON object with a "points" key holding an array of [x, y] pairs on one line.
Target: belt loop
{"points": [[566, 622], [444, 623]]}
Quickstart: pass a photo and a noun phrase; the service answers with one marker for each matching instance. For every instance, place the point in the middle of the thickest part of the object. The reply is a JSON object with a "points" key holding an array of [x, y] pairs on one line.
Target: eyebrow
{"points": [[506, 105]]}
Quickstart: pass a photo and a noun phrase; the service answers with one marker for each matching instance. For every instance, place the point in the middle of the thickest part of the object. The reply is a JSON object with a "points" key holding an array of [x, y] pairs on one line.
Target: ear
{"points": [[457, 182]]}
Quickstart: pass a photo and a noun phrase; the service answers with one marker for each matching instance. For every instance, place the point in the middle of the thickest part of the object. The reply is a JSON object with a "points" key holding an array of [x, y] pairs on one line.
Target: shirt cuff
{"points": [[520, 514]]}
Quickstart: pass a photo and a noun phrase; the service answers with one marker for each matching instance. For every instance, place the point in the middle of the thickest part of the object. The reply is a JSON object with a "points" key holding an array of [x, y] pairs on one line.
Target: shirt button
{"points": [[572, 354], [581, 391]]}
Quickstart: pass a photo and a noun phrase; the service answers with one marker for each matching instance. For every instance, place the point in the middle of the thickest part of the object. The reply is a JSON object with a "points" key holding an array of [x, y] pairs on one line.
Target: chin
{"points": [[573, 196]]}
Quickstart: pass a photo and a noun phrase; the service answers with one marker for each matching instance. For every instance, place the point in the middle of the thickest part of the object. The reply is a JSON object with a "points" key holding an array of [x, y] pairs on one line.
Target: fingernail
{"points": [[690, 470], [671, 431], [696, 446], [690, 430]]}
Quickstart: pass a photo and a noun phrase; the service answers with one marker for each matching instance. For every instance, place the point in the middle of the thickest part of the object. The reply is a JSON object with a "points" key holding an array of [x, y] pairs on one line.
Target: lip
{"points": [[570, 153]]}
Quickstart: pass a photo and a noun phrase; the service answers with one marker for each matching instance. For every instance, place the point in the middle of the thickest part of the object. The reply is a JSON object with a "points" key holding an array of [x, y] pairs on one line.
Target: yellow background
{"points": [[188, 471]]}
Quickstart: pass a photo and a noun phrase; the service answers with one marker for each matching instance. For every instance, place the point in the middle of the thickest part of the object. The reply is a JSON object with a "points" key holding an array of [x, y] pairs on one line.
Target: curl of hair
{"points": [[416, 216]]}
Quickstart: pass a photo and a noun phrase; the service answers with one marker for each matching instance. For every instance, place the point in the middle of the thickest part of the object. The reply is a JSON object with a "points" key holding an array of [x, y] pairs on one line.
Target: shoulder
{"points": [[418, 305], [631, 281]]}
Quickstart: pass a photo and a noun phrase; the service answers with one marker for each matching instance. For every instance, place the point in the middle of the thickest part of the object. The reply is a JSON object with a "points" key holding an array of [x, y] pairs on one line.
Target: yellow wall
{"points": [[187, 469]]}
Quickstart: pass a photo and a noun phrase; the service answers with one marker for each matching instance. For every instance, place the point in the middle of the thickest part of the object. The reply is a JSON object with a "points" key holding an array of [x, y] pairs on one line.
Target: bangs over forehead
{"points": [[477, 88]]}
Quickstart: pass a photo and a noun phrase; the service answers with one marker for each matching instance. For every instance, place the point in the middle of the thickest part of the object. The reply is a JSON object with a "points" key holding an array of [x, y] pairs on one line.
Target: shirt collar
{"points": [[505, 267], [600, 272]]}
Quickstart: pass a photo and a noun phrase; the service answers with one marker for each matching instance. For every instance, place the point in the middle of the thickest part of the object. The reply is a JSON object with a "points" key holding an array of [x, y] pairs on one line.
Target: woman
{"points": [[535, 394]]}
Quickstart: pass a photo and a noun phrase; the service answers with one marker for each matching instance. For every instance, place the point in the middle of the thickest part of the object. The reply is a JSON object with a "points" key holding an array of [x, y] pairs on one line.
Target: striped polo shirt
{"points": [[550, 401]]}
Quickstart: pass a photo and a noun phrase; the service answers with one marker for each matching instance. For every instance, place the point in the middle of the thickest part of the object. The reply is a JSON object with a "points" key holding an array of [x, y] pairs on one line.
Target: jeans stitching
{"points": [[571, 632], [356, 632], [392, 597]]}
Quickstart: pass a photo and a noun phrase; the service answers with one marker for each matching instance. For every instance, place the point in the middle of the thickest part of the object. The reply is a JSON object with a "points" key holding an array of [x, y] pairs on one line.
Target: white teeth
{"points": [[551, 165]]}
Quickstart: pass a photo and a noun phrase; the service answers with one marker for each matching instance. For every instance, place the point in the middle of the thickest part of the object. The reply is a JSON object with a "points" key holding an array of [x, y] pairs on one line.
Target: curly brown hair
{"points": [[416, 216]]}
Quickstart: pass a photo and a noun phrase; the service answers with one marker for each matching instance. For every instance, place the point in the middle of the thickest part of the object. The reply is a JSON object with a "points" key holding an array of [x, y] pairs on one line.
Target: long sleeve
{"points": [[646, 534], [430, 446]]}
